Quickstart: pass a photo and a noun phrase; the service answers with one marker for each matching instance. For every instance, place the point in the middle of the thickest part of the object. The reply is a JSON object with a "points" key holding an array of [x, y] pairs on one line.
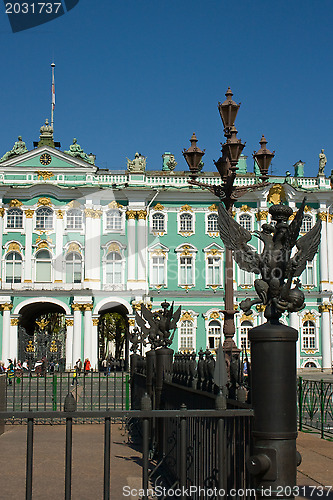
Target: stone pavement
{"points": [[315, 471]]}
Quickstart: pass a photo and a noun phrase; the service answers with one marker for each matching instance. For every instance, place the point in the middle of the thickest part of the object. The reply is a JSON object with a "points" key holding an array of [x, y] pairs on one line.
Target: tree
{"points": [[112, 328]]}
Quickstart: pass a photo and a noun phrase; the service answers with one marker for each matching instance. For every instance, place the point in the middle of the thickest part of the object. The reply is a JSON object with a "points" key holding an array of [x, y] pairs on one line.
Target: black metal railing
{"points": [[202, 448], [92, 391], [315, 406]]}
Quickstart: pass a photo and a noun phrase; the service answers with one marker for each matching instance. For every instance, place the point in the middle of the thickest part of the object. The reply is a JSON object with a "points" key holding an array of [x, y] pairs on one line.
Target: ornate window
{"points": [[245, 278], [158, 222], [244, 335], [214, 270], [186, 223], [306, 224], [309, 340], [73, 268], [186, 265], [43, 266], [113, 220], [44, 218], [158, 270], [245, 220], [186, 335], [14, 218], [308, 275], [113, 268], [13, 267], [214, 334], [212, 225], [74, 219]]}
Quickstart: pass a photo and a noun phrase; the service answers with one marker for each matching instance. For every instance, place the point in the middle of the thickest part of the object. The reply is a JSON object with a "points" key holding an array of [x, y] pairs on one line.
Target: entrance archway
{"points": [[113, 333]]}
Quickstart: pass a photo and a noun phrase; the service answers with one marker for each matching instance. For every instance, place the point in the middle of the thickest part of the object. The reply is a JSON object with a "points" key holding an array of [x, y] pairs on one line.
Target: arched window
{"points": [[212, 226], [113, 220], [245, 220], [73, 268], [14, 218], [186, 335], [43, 266], [186, 222], [113, 268], [74, 219], [214, 334], [306, 224], [158, 222], [13, 267], [244, 334], [44, 218], [309, 335]]}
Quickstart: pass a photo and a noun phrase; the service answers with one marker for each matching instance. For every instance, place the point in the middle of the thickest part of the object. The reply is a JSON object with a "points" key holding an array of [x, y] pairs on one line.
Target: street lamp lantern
{"points": [[193, 156], [228, 111], [263, 158], [233, 148]]}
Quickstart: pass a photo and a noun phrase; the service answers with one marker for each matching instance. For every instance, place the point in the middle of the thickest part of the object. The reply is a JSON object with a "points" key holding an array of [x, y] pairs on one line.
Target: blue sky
{"points": [[144, 75]]}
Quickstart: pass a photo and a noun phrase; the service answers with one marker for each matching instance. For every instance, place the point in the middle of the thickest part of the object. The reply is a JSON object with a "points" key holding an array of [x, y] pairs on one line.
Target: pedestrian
{"points": [[10, 371], [79, 366], [87, 366], [74, 381], [104, 366]]}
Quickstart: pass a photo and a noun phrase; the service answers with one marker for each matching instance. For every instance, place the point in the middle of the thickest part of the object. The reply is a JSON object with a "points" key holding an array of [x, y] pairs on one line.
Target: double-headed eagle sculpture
{"points": [[162, 324], [277, 263]]}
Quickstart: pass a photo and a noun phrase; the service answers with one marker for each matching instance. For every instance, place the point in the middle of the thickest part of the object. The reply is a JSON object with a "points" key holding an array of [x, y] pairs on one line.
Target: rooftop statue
{"points": [[322, 163], [275, 264], [161, 323], [169, 162], [138, 165], [18, 149], [76, 151]]}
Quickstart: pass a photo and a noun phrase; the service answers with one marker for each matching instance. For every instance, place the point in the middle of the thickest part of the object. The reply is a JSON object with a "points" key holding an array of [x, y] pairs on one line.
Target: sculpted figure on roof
{"points": [[18, 149], [138, 165], [76, 151]]}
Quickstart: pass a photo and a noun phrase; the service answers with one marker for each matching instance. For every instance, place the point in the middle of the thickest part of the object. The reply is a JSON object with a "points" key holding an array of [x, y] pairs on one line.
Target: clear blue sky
{"points": [[144, 75]]}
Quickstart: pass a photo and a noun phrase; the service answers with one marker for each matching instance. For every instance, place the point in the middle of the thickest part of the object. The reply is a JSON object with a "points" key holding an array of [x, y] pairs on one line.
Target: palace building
{"points": [[81, 242]]}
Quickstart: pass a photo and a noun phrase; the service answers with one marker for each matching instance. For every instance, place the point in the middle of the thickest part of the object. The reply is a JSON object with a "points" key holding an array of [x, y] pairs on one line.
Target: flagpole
{"points": [[52, 94]]}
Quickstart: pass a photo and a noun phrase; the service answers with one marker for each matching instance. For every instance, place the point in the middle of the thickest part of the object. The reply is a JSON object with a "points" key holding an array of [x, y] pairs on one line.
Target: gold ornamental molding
{"points": [[186, 251], [131, 322], [69, 322], [326, 307], [213, 208], [73, 247], [74, 204], [7, 306], [53, 346], [322, 216], [246, 318], [235, 307], [114, 205], [307, 209], [46, 202], [186, 208], [42, 323], [186, 233], [214, 252], [76, 306], [30, 347], [329, 217], [276, 194], [44, 174], [88, 306], [245, 208], [60, 214], [94, 214], [262, 215], [214, 315], [261, 307], [158, 206], [131, 214], [310, 351], [142, 214], [186, 316], [113, 247], [15, 203], [308, 317], [14, 321], [2, 211], [95, 321], [292, 216], [14, 247], [159, 252], [29, 213], [43, 244]]}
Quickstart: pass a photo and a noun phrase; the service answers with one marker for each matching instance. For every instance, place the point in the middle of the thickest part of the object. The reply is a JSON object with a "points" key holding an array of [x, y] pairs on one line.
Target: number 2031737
{"points": [[32, 8]]}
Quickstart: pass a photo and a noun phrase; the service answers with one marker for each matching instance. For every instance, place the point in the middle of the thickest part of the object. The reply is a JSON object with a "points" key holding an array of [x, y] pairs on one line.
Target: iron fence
{"points": [[315, 406], [92, 391], [201, 449]]}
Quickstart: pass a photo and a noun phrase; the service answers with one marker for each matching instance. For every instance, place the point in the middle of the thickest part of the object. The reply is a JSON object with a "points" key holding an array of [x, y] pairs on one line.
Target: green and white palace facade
{"points": [[82, 241]]}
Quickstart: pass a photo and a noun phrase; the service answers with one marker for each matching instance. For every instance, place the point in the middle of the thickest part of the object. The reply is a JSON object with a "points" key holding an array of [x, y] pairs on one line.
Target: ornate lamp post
{"points": [[228, 194]]}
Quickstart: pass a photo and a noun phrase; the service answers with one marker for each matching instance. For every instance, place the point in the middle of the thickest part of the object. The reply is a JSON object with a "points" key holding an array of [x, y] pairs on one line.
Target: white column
{"points": [[28, 245], [69, 342], [59, 248], [131, 214], [6, 331], [92, 247], [326, 336], [2, 212], [94, 343], [323, 257], [87, 330], [13, 340], [294, 323], [330, 246], [142, 250], [76, 332]]}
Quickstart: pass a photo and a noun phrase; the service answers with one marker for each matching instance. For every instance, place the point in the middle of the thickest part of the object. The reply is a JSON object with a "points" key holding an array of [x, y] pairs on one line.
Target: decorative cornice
{"points": [[44, 174], [214, 315], [158, 252], [14, 247], [158, 206], [186, 316], [43, 244], [94, 214], [14, 321], [213, 251], [308, 317], [113, 247], [131, 214], [73, 247], [29, 213], [213, 208], [15, 203], [186, 208], [262, 215], [142, 214], [45, 202], [60, 214], [69, 322], [186, 251]]}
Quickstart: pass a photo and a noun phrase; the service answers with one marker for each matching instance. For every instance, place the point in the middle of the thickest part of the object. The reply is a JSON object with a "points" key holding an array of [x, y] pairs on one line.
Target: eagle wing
{"points": [[295, 225], [235, 237], [307, 248], [142, 324]]}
